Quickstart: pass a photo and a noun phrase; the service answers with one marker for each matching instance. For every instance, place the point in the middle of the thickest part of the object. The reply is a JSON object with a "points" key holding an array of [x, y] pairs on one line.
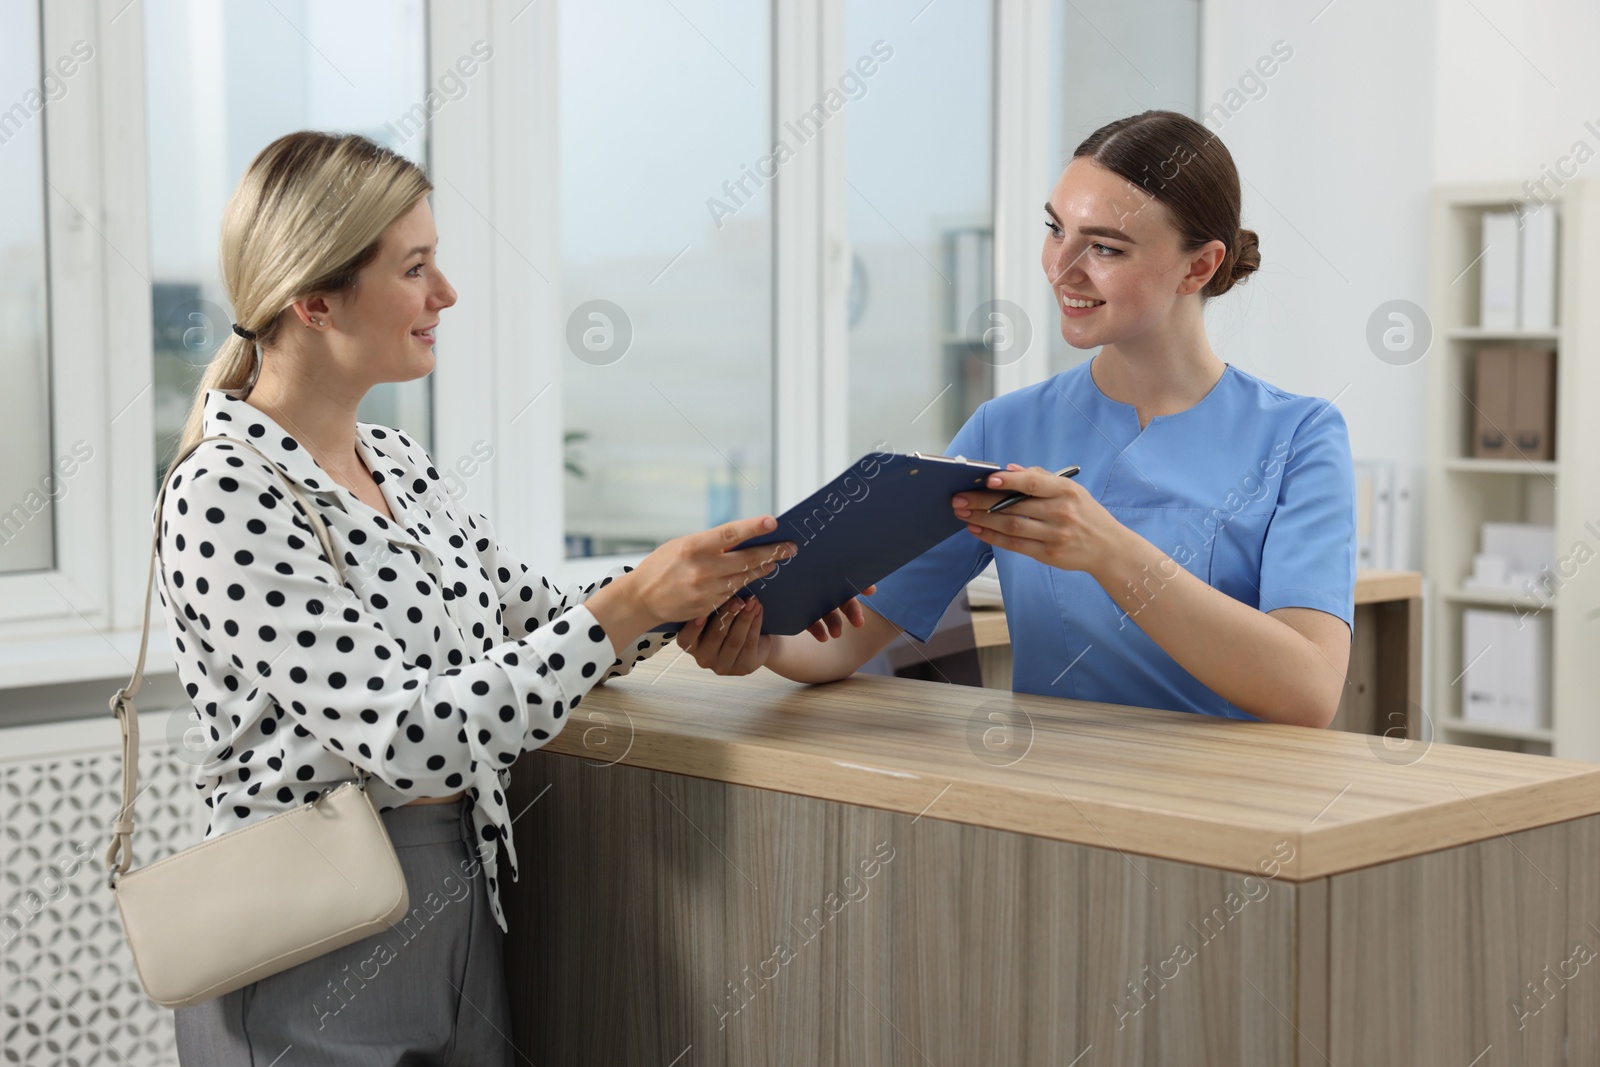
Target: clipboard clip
{"points": [[955, 459]]}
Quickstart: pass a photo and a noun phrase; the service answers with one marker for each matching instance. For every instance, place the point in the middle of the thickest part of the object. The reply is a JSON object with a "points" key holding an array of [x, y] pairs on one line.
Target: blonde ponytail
{"points": [[229, 369], [307, 215]]}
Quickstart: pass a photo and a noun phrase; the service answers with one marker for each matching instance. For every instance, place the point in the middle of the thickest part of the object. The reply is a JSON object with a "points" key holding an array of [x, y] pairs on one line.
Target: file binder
{"points": [[882, 512], [1500, 270], [1539, 252]]}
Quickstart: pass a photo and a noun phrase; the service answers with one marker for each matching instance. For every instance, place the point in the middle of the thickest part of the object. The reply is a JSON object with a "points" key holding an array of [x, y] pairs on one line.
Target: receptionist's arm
{"points": [[1283, 665], [801, 659], [1286, 665]]}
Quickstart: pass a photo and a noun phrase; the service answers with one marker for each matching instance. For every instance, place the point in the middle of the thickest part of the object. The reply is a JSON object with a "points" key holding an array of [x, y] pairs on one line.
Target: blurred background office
{"points": [[708, 253]]}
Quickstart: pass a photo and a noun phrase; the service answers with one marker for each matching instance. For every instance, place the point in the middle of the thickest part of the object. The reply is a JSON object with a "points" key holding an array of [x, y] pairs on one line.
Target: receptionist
{"points": [[1204, 558]]}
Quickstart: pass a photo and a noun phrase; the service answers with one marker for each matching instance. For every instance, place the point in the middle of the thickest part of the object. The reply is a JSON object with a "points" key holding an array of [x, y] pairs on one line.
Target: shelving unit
{"points": [[1501, 466], [1463, 492]]}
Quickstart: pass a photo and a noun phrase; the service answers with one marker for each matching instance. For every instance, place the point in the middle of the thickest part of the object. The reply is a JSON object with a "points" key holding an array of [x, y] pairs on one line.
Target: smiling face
{"points": [[1112, 248], [382, 329]]}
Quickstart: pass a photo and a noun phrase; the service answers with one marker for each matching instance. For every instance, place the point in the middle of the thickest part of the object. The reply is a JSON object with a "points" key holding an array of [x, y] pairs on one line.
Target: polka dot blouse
{"points": [[436, 662]]}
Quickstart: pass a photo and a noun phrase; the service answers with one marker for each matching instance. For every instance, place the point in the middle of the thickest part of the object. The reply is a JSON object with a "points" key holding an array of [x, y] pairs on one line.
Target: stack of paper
{"points": [[1514, 556]]}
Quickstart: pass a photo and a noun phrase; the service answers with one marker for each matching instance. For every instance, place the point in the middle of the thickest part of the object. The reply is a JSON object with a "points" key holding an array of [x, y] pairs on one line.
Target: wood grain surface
{"points": [[1189, 788], [675, 920], [667, 919]]}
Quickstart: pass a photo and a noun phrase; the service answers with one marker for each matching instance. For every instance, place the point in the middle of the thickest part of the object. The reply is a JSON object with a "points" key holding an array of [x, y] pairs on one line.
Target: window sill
{"points": [[81, 656], [587, 568], [89, 655]]}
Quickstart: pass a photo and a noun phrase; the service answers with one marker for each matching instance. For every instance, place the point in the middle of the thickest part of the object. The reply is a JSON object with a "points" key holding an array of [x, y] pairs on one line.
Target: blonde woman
{"points": [[437, 661]]}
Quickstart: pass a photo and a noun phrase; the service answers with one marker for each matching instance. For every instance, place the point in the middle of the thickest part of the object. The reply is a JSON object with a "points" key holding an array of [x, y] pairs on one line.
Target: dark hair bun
{"points": [[1185, 166], [1246, 261]]}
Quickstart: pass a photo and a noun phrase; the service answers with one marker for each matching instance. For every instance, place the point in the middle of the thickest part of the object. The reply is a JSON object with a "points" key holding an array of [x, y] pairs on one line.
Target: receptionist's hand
{"points": [[1063, 525], [832, 624]]}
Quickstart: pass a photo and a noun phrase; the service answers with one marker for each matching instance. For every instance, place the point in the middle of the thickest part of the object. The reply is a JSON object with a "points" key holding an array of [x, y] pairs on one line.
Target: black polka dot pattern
{"points": [[438, 661]]}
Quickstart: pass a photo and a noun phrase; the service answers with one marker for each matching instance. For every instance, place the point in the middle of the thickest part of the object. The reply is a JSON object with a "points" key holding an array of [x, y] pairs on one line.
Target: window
{"points": [[624, 154], [32, 477], [920, 213], [208, 116], [1108, 65], [666, 268]]}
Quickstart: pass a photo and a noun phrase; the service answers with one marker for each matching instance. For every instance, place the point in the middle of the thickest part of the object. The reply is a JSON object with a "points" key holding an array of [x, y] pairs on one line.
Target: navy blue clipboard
{"points": [[884, 511]]}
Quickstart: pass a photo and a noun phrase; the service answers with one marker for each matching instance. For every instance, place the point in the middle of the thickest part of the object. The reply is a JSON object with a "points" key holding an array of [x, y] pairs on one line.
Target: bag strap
{"points": [[119, 854]]}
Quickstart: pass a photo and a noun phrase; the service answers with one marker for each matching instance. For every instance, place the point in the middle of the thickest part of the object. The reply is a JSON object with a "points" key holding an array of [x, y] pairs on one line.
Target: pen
{"points": [[1011, 498]]}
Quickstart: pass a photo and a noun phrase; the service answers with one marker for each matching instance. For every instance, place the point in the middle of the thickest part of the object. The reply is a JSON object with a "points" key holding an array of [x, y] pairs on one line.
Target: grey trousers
{"points": [[429, 990]]}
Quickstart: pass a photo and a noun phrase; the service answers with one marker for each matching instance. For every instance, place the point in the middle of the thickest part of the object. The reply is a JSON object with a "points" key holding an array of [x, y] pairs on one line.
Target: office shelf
{"points": [[1498, 598], [1462, 465], [1463, 493], [1478, 333], [1483, 729]]}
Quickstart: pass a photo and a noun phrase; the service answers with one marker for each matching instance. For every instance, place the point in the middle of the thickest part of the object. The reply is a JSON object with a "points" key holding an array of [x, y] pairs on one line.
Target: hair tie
{"points": [[248, 335]]}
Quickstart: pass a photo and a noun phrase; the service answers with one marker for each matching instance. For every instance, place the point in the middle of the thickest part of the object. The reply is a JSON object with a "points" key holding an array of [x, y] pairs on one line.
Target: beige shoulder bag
{"points": [[259, 899]]}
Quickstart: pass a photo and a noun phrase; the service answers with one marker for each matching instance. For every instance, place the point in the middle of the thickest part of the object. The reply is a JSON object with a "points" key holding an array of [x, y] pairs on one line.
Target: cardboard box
{"points": [[1514, 403], [1533, 403], [1492, 404]]}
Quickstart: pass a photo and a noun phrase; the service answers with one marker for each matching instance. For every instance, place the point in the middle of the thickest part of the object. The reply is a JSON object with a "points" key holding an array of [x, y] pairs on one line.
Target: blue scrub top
{"points": [[1251, 490]]}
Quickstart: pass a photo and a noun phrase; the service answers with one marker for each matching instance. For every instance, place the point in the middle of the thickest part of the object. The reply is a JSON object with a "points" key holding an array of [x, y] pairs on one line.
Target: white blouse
{"points": [[438, 661]]}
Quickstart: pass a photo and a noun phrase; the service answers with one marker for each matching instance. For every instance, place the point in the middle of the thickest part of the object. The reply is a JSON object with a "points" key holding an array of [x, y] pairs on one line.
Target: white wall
{"points": [[1335, 160], [1516, 81], [1381, 100]]}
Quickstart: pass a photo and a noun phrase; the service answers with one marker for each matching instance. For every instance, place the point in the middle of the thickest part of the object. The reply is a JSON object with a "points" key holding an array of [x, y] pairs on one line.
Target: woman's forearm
{"points": [[621, 612], [802, 658], [1254, 661]]}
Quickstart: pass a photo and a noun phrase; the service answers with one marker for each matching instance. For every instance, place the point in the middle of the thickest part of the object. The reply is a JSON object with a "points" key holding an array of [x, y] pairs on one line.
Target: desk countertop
{"points": [[1190, 788]]}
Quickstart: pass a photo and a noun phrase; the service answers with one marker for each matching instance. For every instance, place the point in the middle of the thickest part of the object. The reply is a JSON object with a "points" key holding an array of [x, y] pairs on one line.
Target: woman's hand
{"points": [[686, 578], [730, 641], [1062, 525], [690, 576]]}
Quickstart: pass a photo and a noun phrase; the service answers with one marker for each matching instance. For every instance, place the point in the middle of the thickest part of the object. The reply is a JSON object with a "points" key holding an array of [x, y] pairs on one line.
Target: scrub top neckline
{"points": [[1227, 369]]}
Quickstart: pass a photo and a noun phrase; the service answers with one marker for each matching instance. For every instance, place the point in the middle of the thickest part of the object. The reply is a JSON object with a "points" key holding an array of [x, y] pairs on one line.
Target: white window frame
{"points": [[811, 249], [75, 620], [499, 381], [1022, 164], [495, 203]]}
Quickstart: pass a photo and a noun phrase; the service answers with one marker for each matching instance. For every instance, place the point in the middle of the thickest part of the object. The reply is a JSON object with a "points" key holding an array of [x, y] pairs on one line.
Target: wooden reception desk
{"points": [[748, 871]]}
